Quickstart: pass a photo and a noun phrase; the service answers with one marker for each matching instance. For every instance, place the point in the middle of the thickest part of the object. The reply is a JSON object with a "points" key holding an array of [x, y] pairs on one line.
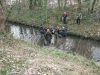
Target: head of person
{"points": [[64, 12], [41, 26], [48, 30], [63, 27], [57, 28]]}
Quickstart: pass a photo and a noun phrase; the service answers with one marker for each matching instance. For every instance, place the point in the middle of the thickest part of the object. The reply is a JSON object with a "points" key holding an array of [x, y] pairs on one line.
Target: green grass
{"points": [[54, 52]]}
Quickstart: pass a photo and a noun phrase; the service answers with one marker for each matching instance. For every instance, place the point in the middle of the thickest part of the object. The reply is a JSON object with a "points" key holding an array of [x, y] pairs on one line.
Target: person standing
{"points": [[41, 29], [64, 17], [79, 17], [56, 32], [64, 31], [48, 36], [52, 30]]}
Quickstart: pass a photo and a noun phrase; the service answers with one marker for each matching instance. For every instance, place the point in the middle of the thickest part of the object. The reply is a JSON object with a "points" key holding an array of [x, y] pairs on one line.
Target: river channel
{"points": [[84, 47]]}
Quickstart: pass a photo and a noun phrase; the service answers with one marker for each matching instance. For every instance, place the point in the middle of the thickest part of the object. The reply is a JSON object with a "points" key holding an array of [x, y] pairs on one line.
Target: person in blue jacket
{"points": [[41, 29]]}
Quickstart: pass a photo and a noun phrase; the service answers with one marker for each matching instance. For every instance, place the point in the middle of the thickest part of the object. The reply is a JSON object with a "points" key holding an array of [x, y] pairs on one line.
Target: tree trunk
{"points": [[35, 3], [19, 5], [45, 9], [79, 5], [65, 4], [92, 7], [30, 4], [23, 3], [2, 14], [40, 3], [70, 2], [59, 4]]}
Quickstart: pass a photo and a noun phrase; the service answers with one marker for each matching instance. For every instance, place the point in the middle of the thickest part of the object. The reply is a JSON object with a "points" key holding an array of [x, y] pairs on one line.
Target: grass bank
{"points": [[18, 57]]}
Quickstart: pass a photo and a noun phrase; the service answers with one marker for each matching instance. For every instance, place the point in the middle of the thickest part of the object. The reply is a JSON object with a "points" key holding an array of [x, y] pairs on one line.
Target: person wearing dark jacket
{"points": [[79, 17], [64, 17], [41, 29], [64, 31], [48, 36]]}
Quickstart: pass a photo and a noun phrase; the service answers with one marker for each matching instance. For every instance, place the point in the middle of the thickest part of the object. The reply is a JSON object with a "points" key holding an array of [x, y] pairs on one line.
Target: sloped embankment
{"points": [[21, 58]]}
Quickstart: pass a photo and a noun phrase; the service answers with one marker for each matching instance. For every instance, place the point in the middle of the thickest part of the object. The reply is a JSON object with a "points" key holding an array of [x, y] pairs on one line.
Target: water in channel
{"points": [[87, 48]]}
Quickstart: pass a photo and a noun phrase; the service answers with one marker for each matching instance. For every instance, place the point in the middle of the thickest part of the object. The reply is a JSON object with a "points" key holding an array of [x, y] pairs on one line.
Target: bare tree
{"points": [[79, 5], [2, 14], [92, 7], [65, 2], [59, 4], [30, 4]]}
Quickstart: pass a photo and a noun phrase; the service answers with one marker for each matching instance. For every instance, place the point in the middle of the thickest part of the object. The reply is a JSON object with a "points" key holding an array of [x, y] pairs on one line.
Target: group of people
{"points": [[56, 31], [47, 33], [78, 18]]}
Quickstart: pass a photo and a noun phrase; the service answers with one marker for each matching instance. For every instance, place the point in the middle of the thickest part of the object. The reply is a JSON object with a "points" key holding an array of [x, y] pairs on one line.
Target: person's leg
{"points": [[64, 34], [65, 21], [77, 21], [45, 42], [49, 41]]}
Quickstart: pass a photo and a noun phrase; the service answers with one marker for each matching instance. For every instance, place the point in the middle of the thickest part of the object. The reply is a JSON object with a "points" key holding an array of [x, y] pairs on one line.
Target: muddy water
{"points": [[87, 48]]}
